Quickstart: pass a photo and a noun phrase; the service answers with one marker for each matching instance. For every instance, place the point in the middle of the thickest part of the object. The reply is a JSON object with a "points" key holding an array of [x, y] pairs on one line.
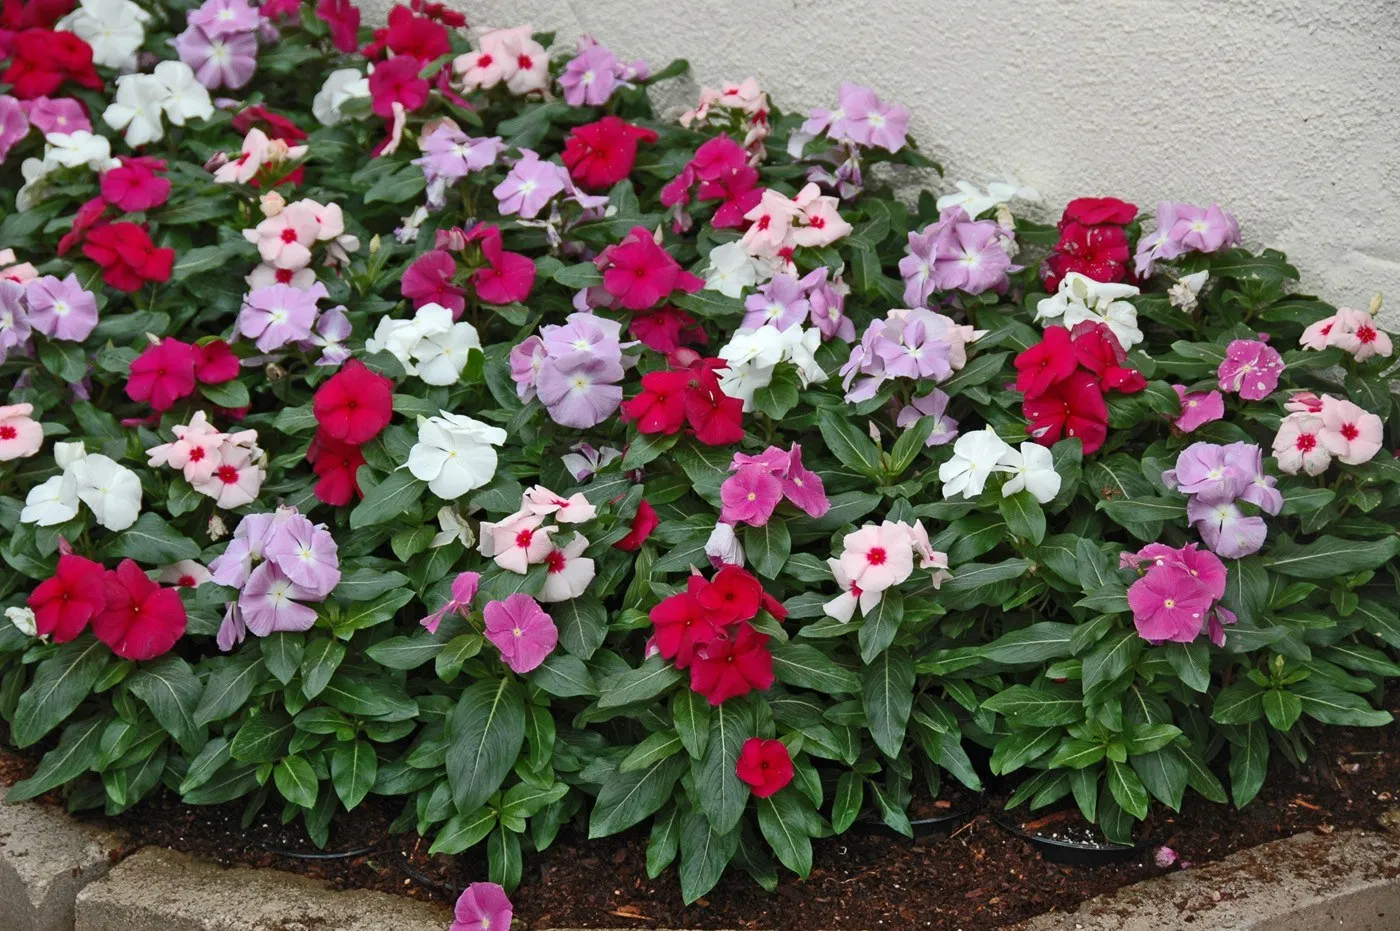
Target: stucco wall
{"points": [[1285, 111]]}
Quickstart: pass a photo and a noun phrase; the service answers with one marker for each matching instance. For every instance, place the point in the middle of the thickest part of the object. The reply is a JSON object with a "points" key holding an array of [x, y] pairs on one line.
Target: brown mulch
{"points": [[980, 877]]}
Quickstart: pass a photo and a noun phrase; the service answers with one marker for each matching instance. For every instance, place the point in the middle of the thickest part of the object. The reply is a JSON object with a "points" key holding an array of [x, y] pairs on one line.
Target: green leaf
{"points": [[1249, 762], [705, 852], [690, 713], [851, 448], [1330, 705], [850, 796], [656, 747], [463, 831], [367, 584], [805, 666], [205, 764], [1163, 774], [978, 371], [1191, 663], [1076, 753], [387, 500], [76, 753], [626, 798], [881, 625], [888, 697], [354, 767], [1034, 644], [910, 443], [721, 794], [648, 680], [296, 780], [485, 733], [60, 684], [1045, 706], [972, 576], [1128, 790], [368, 697], [171, 690], [1239, 703], [564, 676], [227, 689], [664, 842], [1330, 557], [231, 394], [397, 188], [582, 623], [1282, 708], [405, 652], [580, 276], [782, 817], [1144, 510], [282, 652], [319, 663], [152, 542], [767, 547], [1024, 516]]}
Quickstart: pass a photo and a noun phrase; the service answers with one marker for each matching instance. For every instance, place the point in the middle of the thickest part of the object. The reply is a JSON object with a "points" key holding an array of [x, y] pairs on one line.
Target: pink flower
{"points": [[278, 315], [877, 557], [397, 81], [286, 239], [464, 588], [429, 281], [1355, 331], [1201, 564], [749, 496], [803, 487], [1198, 408], [568, 572], [640, 274], [1299, 446], [507, 277], [235, 482], [818, 223], [531, 183], [517, 542], [1169, 603], [195, 450], [61, 309], [1350, 433], [572, 510], [521, 630], [14, 125], [1251, 369], [21, 436], [482, 907], [57, 115]]}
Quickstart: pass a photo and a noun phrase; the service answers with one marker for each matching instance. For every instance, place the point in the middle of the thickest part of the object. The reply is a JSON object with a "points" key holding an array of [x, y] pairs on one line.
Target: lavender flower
{"points": [[575, 369], [450, 154], [60, 308], [225, 61], [14, 318], [1183, 228], [955, 254], [279, 314], [531, 184], [779, 303], [330, 333], [935, 405]]}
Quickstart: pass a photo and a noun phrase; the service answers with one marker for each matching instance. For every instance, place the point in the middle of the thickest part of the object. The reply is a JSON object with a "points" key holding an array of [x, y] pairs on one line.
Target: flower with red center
{"points": [[682, 624], [765, 766], [134, 185], [640, 274], [1099, 351], [65, 602], [141, 620], [643, 523], [429, 281], [732, 666], [507, 277], [127, 256], [1073, 407], [336, 465], [397, 81], [214, 362], [732, 595], [599, 155], [1048, 361], [274, 125], [354, 404], [163, 374]]}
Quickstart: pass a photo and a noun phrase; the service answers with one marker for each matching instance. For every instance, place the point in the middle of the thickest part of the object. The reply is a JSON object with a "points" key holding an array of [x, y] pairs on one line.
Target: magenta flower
{"points": [[530, 185], [1201, 564], [1226, 529], [802, 486], [1198, 408], [1169, 603], [580, 389], [61, 308], [464, 588], [521, 630], [935, 405], [590, 77], [269, 603], [750, 495], [57, 115], [780, 303], [429, 280], [14, 125], [1251, 369], [280, 314], [225, 61], [482, 907]]}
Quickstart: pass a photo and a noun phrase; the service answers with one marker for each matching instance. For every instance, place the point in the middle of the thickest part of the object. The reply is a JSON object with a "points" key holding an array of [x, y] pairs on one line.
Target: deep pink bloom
{"points": [[640, 274], [482, 907], [429, 281], [764, 765], [508, 276], [749, 496], [163, 374], [343, 18], [397, 81], [521, 630], [64, 603], [643, 523], [732, 666], [57, 114], [1198, 408], [1251, 369], [134, 185], [1169, 603], [803, 487], [464, 588]]}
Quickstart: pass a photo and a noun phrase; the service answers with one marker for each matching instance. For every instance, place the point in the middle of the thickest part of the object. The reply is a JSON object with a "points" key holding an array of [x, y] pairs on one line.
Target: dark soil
{"points": [[979, 877]]}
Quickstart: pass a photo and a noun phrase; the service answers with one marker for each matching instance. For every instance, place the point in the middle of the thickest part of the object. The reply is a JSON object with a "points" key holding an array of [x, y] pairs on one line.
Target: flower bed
{"points": [[414, 413]]}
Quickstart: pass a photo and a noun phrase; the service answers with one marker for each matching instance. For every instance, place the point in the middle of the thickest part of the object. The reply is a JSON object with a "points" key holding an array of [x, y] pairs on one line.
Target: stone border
{"points": [[58, 874]]}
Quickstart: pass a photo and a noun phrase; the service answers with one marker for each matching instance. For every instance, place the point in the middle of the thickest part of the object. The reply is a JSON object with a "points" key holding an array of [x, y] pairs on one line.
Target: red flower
{"points": [[764, 765], [450, 18], [1048, 361], [344, 19], [429, 281], [32, 14], [667, 329], [599, 155], [640, 274], [508, 276], [274, 125], [141, 620], [716, 418], [134, 185], [732, 595], [682, 624], [128, 257], [85, 219], [64, 603], [1098, 350], [214, 362], [336, 465], [1095, 211], [643, 523], [354, 404], [1098, 252], [397, 81], [722, 169], [732, 666], [163, 374], [1073, 407], [660, 408], [43, 60], [689, 393], [415, 37]]}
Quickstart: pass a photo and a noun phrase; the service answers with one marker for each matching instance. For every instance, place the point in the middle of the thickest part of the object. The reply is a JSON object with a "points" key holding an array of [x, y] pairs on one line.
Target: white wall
{"points": [[1285, 111]]}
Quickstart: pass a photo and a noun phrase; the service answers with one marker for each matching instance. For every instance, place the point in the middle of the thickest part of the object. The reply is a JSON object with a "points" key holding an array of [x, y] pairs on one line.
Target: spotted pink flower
{"points": [[1250, 369]]}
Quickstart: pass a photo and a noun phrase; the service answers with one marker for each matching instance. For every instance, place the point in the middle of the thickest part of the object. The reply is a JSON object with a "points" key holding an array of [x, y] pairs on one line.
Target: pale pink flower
{"points": [[1298, 446], [517, 542], [1356, 332], [21, 436], [843, 606], [285, 240], [236, 481], [195, 449], [568, 571], [1350, 433], [819, 224], [878, 557], [572, 510]]}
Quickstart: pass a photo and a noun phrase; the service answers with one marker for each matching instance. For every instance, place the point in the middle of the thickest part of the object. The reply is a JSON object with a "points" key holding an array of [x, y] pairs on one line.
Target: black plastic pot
{"points": [[936, 827], [1070, 852]]}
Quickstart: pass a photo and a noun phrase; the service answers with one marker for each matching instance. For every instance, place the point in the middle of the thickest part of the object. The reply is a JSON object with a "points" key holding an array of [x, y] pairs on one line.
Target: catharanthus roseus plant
{"points": [[405, 408]]}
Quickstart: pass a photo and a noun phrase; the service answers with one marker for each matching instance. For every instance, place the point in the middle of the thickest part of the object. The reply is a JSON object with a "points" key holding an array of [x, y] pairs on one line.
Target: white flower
{"points": [[397, 337], [112, 491], [723, 547], [186, 573], [188, 99], [976, 201], [23, 619], [452, 527], [753, 355], [843, 606], [443, 347], [1081, 298], [69, 150], [341, 85], [65, 454], [569, 571], [732, 270], [976, 455], [1183, 294], [453, 454], [114, 28], [136, 108], [53, 502], [1032, 469], [800, 348]]}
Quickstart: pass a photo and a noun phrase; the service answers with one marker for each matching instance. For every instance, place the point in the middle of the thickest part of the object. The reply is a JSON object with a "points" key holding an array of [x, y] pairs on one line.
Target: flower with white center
{"points": [[23, 619], [976, 455], [114, 28], [137, 107], [342, 86], [567, 571], [112, 491], [52, 502], [397, 337], [188, 99], [454, 454], [65, 454], [452, 527], [732, 269], [800, 348], [1081, 298], [1183, 294], [1032, 469], [976, 201]]}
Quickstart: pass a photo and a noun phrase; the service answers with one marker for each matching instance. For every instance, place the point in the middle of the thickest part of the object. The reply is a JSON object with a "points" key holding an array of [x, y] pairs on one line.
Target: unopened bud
{"points": [[1376, 301], [274, 372], [374, 244], [272, 203], [217, 530]]}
